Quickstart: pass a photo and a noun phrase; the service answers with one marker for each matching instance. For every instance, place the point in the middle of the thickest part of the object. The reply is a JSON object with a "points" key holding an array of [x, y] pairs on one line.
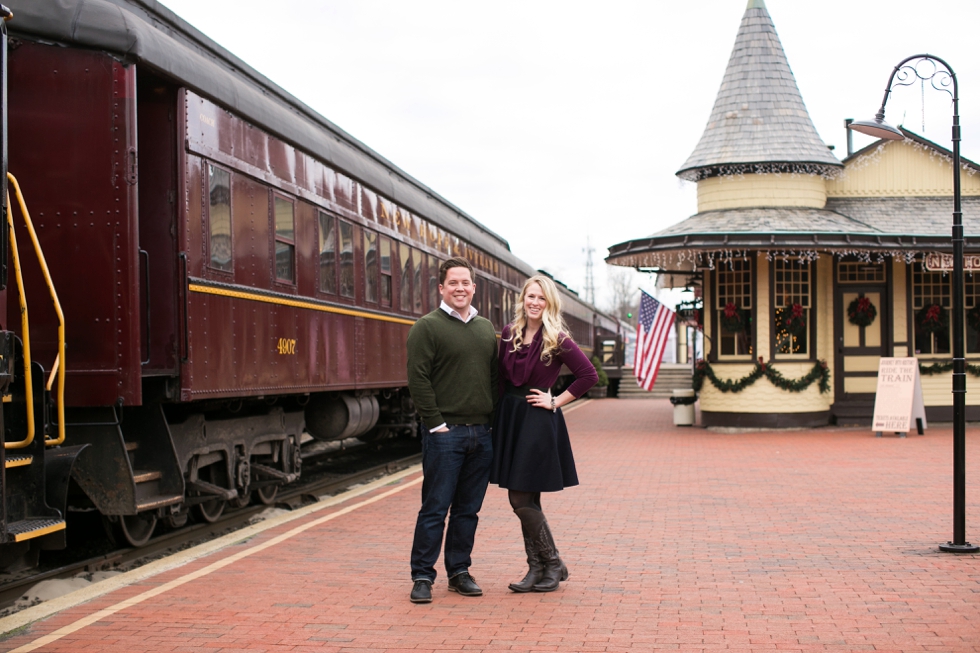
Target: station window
{"points": [[860, 272], [285, 240], [971, 285], [734, 308], [434, 298], [931, 290], [328, 254], [219, 218], [405, 259], [370, 266], [792, 298], [346, 230], [385, 247], [417, 287]]}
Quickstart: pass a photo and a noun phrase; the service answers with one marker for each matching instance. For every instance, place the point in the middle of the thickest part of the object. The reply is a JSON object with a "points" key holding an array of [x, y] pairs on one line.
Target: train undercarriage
{"points": [[140, 466]]}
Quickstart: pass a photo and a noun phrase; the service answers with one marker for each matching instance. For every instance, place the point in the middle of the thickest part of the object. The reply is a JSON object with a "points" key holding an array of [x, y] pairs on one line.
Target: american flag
{"points": [[654, 326]]}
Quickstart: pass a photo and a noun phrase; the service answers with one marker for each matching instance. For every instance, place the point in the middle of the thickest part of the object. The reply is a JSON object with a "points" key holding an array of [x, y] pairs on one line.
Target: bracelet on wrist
{"points": [[554, 408]]}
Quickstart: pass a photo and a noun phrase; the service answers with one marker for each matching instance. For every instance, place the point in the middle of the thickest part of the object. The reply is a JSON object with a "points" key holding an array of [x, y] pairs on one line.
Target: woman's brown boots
{"points": [[545, 568]]}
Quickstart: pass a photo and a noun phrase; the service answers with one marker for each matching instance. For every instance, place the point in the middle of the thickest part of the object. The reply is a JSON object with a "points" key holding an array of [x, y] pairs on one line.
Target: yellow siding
{"points": [[732, 192], [823, 309], [900, 169], [761, 306], [937, 389], [762, 396]]}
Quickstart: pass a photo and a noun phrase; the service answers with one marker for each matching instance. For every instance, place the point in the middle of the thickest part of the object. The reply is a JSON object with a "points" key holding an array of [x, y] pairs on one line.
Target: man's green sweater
{"points": [[452, 369]]}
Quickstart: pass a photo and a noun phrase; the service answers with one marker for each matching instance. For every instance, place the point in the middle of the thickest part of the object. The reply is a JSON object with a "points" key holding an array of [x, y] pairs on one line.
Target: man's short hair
{"points": [[454, 262]]}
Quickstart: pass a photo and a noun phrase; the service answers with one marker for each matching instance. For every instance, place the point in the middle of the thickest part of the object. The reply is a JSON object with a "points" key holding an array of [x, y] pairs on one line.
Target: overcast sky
{"points": [[553, 122]]}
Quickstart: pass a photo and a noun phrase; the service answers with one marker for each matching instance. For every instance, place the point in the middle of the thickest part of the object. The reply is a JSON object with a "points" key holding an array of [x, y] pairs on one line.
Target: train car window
{"points": [[497, 300], [417, 257], [370, 266], [405, 259], [385, 247], [285, 240], [346, 259], [433, 282], [328, 254], [219, 218]]}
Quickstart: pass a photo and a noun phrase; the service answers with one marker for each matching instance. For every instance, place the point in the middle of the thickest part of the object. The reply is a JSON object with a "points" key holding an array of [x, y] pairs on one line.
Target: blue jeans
{"points": [[456, 469]]}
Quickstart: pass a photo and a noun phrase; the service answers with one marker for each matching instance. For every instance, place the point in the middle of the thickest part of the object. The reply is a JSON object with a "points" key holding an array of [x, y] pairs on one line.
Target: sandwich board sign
{"points": [[898, 398]]}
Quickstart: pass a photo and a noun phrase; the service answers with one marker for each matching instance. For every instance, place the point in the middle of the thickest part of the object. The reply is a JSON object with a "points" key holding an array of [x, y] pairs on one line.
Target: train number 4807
{"points": [[286, 346]]}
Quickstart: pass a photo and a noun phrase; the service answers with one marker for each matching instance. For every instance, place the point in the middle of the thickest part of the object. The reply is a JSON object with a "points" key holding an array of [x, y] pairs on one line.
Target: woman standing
{"points": [[531, 451]]}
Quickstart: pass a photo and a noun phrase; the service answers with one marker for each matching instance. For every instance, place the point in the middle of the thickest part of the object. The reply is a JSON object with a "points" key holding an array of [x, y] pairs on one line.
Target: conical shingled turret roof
{"points": [[759, 122]]}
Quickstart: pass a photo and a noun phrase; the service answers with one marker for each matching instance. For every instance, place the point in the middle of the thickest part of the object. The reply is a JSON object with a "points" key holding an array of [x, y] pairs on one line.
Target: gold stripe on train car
{"points": [[295, 303]]}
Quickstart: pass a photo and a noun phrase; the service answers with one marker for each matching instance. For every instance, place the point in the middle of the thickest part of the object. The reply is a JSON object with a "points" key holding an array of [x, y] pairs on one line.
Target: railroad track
{"points": [[293, 496]]}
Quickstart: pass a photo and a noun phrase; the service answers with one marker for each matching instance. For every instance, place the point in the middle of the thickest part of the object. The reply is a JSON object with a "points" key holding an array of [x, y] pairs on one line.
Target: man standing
{"points": [[452, 375]]}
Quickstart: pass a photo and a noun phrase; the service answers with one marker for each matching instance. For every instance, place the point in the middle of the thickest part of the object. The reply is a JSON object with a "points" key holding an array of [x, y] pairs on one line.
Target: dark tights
{"points": [[524, 499]]}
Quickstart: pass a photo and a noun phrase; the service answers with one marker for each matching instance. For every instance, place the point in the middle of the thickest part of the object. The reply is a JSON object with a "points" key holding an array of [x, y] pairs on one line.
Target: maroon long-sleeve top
{"points": [[524, 367]]}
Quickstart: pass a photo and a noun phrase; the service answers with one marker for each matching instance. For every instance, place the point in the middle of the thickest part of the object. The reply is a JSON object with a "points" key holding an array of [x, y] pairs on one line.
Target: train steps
{"points": [[149, 493], [670, 377]]}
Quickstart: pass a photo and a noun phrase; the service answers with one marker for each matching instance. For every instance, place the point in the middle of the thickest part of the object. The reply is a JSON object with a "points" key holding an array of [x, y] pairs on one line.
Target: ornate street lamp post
{"points": [[938, 73]]}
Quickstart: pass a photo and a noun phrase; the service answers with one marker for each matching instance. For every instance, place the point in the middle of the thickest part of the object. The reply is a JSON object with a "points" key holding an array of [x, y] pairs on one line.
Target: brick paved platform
{"points": [[679, 539]]}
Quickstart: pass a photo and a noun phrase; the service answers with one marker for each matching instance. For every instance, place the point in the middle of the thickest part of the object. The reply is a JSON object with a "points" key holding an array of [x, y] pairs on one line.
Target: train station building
{"points": [[812, 268]]}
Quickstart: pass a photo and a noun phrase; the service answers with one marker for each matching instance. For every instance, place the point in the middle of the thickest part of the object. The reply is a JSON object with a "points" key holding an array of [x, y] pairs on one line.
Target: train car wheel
{"points": [[176, 520], [266, 494], [239, 502], [209, 511], [136, 530]]}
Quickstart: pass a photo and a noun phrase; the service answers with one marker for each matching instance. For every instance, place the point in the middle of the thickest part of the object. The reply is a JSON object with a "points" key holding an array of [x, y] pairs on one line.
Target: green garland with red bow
{"points": [[731, 318], [945, 366], [819, 374], [932, 318], [794, 319]]}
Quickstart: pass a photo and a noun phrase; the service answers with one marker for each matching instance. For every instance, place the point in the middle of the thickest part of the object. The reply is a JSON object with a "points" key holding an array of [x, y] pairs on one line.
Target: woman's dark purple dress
{"points": [[531, 450]]}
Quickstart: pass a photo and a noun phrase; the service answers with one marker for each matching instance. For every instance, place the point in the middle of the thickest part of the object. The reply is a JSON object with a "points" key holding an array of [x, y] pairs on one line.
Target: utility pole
{"points": [[589, 278]]}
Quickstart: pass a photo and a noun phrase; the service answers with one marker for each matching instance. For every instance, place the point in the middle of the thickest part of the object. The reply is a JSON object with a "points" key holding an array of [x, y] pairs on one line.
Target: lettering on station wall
{"points": [[286, 346], [939, 262]]}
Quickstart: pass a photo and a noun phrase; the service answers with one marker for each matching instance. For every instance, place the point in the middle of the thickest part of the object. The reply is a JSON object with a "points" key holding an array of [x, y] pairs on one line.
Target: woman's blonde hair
{"points": [[553, 329]]}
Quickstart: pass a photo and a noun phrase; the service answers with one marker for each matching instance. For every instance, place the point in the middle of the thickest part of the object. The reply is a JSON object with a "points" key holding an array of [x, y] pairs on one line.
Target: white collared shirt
{"points": [[454, 313]]}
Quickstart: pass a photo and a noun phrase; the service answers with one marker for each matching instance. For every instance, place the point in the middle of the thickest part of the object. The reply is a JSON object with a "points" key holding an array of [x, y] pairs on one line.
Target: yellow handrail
{"points": [[25, 328], [59, 362]]}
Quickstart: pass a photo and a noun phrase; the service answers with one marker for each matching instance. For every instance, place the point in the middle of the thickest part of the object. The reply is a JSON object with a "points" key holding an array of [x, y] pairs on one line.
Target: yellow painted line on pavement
{"points": [[25, 617], [578, 404]]}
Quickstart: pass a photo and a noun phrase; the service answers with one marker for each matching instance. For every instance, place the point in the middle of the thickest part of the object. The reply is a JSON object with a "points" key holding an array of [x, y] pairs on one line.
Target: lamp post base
{"points": [[966, 547]]}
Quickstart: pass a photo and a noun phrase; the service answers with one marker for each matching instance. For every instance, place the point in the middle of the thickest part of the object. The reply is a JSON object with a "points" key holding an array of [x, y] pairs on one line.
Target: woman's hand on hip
{"points": [[539, 399]]}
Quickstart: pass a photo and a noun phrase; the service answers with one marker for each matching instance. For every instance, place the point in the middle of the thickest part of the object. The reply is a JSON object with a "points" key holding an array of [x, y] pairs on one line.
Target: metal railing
{"points": [[58, 368]]}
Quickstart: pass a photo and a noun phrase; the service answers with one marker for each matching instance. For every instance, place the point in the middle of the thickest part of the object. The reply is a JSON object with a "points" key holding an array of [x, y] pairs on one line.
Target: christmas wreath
{"points": [[794, 319], [731, 319], [973, 317], [932, 318], [861, 312]]}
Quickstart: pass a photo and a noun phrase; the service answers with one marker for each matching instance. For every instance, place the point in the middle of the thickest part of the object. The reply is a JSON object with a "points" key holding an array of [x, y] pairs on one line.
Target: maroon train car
{"points": [[235, 270]]}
